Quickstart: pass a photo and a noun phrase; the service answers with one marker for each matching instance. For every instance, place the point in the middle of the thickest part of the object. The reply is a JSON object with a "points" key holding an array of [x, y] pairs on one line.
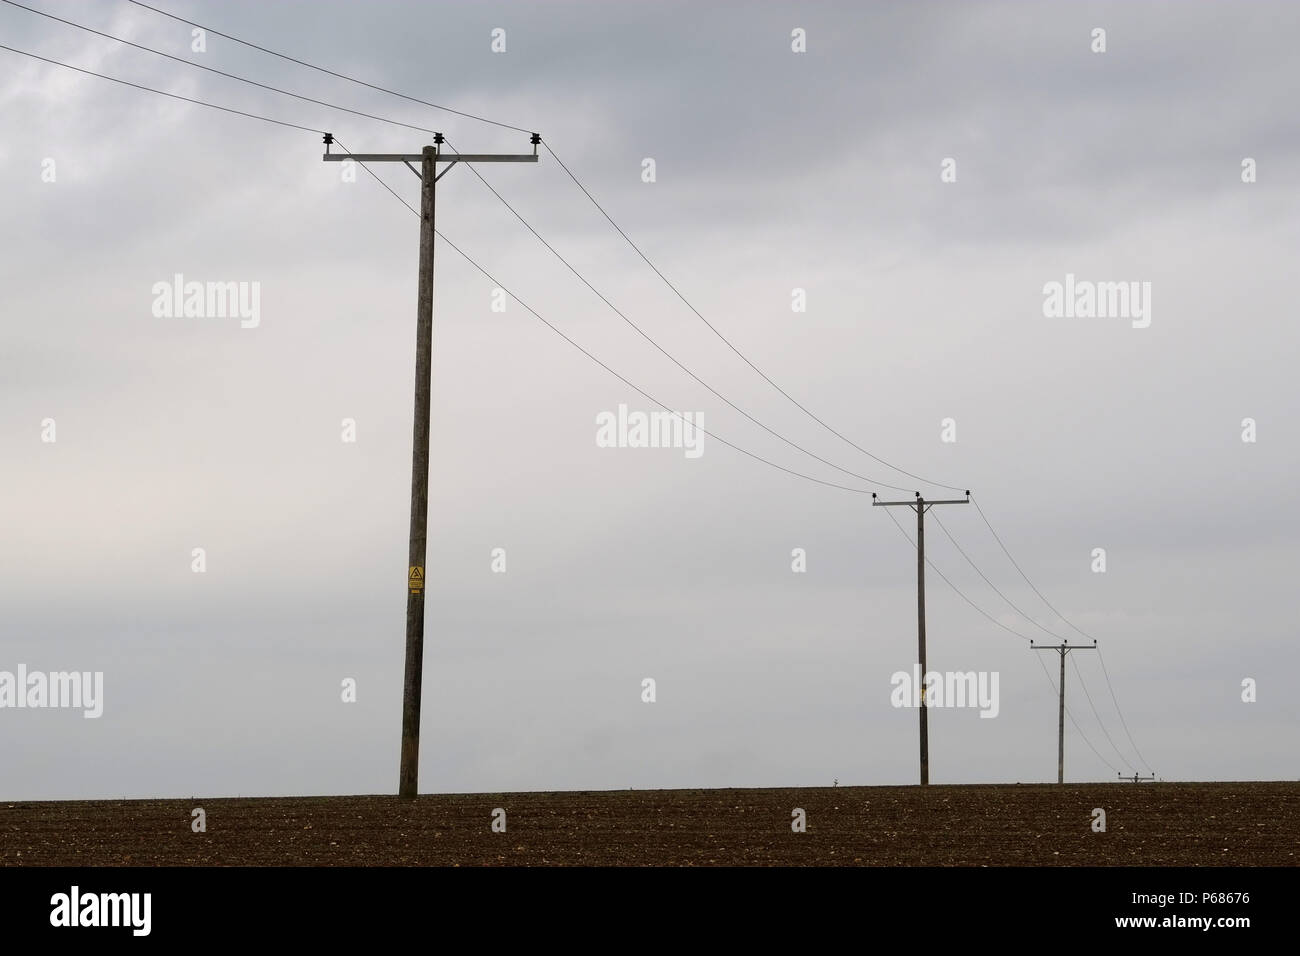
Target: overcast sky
{"points": [[775, 170]]}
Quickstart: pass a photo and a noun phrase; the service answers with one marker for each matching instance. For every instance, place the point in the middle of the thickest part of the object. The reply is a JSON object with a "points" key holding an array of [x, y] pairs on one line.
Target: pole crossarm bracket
{"points": [[416, 157], [447, 170], [926, 503]]}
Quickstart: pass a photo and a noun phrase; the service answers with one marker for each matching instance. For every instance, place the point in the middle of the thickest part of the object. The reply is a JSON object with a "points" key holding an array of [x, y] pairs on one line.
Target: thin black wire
{"points": [[1022, 572], [613, 223], [1078, 673], [1005, 628], [617, 311], [727, 341], [309, 129], [1013, 606], [1102, 660], [1049, 633], [471, 261], [232, 76], [494, 192], [1077, 630], [564, 166], [576, 181], [588, 194], [625, 237], [960, 594], [174, 96], [321, 69], [1074, 722], [338, 142], [554, 329]]}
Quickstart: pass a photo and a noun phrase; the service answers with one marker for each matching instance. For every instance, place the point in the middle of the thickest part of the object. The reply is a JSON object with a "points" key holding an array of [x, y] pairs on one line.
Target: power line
{"points": [[209, 69], [321, 69], [338, 142], [712, 328], [920, 506], [956, 589], [308, 129], [622, 315], [1120, 712], [1053, 609], [1078, 673], [1073, 722], [1016, 565], [928, 562], [175, 96], [994, 620], [1013, 606], [642, 392], [494, 192], [819, 421], [727, 341], [626, 237], [635, 247], [589, 355], [588, 194], [1045, 630], [689, 305], [963, 553]]}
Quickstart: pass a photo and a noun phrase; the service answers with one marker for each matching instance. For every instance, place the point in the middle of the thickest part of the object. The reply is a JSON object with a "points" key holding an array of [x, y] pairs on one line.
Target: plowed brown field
{"points": [[1189, 824]]}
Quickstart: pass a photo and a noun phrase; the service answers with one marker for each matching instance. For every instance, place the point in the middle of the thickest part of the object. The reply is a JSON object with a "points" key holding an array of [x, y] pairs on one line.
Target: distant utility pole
{"points": [[1062, 649], [429, 157], [1136, 778], [921, 506]]}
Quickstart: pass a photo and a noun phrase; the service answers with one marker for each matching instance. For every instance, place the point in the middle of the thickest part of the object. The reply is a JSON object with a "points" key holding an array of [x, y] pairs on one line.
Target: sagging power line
{"points": [[586, 192], [384, 119], [547, 146], [1045, 630], [622, 232], [992, 620]]}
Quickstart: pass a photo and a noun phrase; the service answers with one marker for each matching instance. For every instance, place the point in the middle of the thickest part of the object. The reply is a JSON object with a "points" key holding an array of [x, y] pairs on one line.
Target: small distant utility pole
{"points": [[1062, 649], [428, 158], [1136, 778], [921, 506]]}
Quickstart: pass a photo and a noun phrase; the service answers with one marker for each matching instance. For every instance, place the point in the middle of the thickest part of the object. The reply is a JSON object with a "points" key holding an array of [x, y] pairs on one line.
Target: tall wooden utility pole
{"points": [[1062, 649], [921, 506], [429, 158]]}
